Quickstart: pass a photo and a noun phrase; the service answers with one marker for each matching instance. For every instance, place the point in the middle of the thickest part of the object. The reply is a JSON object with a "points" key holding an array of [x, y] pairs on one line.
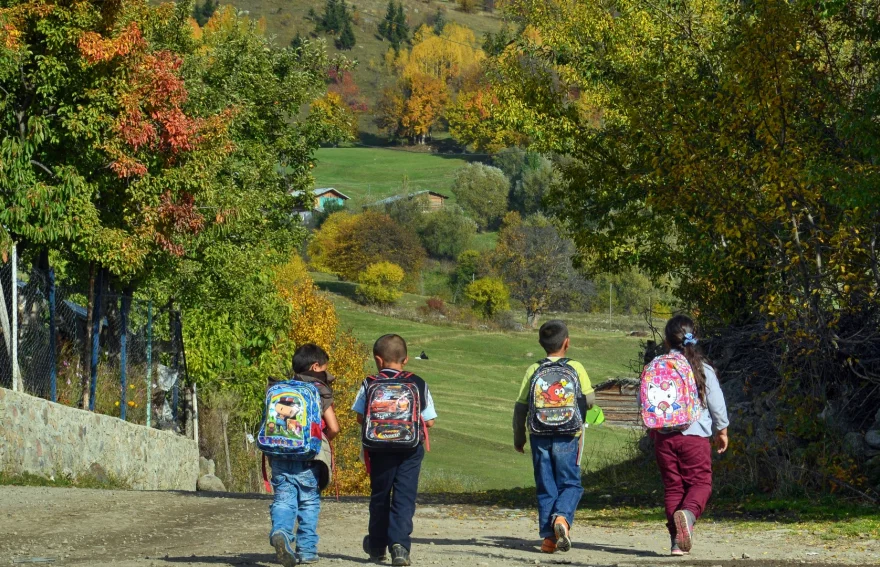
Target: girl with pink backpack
{"points": [[682, 406]]}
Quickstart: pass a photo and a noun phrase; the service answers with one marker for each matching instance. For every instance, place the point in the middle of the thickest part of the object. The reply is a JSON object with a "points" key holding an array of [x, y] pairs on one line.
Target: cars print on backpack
{"points": [[668, 394], [291, 427], [554, 392], [393, 414]]}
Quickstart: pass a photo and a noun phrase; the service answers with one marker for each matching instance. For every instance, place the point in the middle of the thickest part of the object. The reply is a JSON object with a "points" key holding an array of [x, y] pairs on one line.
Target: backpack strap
{"points": [[266, 482]]}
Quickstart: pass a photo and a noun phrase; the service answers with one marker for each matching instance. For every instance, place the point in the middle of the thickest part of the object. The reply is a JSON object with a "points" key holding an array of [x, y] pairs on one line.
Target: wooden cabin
{"points": [[619, 399], [320, 199]]}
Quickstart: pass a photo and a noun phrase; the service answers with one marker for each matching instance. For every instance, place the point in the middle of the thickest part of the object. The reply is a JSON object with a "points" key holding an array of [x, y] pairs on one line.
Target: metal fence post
{"points": [[96, 338], [16, 371], [123, 353], [149, 361], [53, 366]]}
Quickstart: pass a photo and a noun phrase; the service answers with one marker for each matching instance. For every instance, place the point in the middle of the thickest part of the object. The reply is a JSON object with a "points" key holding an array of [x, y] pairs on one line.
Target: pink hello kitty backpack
{"points": [[668, 394]]}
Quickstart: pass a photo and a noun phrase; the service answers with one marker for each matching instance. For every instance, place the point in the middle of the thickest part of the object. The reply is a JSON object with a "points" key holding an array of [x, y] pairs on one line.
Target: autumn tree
{"points": [[445, 56], [535, 261], [482, 191], [412, 108]]}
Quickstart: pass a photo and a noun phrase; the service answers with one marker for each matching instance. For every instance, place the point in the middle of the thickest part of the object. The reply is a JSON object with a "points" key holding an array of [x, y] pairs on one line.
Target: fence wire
{"points": [[124, 358]]}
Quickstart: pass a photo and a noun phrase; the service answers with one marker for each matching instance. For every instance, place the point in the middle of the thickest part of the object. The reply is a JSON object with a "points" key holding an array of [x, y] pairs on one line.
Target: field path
{"points": [[161, 529]]}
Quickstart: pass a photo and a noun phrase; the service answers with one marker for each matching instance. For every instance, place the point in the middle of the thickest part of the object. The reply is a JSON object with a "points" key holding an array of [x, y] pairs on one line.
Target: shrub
{"points": [[482, 191], [347, 244], [380, 283], [447, 233], [490, 296], [436, 304], [467, 6]]}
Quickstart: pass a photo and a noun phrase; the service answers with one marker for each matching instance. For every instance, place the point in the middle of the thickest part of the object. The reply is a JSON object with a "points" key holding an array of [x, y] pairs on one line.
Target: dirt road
{"points": [[139, 529]]}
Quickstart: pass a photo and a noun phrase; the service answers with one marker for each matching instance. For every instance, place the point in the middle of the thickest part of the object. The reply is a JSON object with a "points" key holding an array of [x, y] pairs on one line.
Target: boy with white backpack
{"points": [[554, 398], [298, 423], [682, 405]]}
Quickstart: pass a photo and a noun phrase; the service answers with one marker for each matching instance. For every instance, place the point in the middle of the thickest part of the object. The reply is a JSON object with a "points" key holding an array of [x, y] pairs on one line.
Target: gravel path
{"points": [[101, 528]]}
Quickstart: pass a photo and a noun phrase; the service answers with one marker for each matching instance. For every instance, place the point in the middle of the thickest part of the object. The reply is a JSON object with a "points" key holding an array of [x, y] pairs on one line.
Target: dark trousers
{"points": [[685, 463], [394, 484]]}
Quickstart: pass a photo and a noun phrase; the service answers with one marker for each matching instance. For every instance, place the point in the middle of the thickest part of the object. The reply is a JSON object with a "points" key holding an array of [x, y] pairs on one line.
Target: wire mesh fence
{"points": [[116, 355]]}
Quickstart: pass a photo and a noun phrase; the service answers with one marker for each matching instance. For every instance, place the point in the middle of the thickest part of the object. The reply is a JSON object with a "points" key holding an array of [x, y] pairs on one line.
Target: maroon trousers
{"points": [[685, 463]]}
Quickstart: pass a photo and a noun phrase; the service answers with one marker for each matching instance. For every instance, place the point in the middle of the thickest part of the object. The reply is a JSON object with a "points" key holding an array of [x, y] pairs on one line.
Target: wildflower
{"points": [[131, 404], [117, 404]]}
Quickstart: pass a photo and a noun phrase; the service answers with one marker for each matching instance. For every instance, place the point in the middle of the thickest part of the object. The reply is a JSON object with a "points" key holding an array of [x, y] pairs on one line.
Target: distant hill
{"points": [[285, 18]]}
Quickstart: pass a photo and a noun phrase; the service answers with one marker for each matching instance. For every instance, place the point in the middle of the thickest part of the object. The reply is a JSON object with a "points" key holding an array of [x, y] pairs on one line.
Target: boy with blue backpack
{"points": [[553, 399], [395, 410], [298, 423]]}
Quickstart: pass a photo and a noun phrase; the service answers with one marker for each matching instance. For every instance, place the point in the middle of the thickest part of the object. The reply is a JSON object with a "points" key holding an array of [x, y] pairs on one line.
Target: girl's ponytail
{"points": [[681, 335]]}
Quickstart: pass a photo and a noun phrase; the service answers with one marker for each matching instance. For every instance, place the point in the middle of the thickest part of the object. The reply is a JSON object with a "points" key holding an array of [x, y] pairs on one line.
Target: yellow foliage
{"points": [[314, 320], [444, 57]]}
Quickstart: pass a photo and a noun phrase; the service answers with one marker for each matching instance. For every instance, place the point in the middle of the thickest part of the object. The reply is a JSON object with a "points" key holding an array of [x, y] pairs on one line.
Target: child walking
{"points": [[685, 456], [395, 409], [554, 398], [297, 483]]}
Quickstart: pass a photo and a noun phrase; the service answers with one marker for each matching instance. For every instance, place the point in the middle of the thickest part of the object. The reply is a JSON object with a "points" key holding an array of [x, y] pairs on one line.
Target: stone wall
{"points": [[43, 438]]}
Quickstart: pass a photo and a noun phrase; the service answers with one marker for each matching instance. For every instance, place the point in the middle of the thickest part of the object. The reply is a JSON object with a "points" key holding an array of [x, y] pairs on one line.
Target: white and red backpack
{"points": [[668, 394]]}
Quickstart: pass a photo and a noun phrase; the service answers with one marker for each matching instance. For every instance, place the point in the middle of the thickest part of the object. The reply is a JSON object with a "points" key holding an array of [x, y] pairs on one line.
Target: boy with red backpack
{"points": [[395, 410], [682, 405], [298, 423], [554, 398]]}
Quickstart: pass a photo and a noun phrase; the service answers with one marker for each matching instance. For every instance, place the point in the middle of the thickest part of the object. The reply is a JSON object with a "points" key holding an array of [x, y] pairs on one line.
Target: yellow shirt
{"points": [[586, 387]]}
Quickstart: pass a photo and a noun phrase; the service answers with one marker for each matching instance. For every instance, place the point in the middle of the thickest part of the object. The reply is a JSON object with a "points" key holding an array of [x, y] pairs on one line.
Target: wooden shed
{"points": [[619, 399]]}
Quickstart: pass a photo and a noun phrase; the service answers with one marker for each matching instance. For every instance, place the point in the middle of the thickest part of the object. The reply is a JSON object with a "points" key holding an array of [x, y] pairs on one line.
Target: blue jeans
{"points": [[557, 479], [297, 501]]}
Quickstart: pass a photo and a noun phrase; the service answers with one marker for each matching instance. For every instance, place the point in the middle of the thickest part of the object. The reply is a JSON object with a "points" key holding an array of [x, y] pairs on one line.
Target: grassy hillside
{"points": [[475, 377], [284, 19], [369, 174]]}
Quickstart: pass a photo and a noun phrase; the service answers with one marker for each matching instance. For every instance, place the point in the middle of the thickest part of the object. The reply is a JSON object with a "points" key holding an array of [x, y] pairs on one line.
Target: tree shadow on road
{"points": [[529, 545], [249, 559]]}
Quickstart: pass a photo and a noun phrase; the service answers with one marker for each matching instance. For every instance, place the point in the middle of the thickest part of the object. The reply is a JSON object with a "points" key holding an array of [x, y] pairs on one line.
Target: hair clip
{"points": [[689, 339]]}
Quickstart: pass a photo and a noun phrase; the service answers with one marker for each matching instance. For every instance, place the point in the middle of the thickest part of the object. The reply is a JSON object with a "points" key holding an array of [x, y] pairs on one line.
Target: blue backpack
{"points": [[291, 427]]}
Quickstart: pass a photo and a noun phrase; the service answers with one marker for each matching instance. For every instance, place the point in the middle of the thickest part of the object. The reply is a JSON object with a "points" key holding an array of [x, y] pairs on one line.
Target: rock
{"points": [[734, 391], [206, 467], [746, 556], [210, 483], [854, 444], [872, 438], [872, 470], [99, 473]]}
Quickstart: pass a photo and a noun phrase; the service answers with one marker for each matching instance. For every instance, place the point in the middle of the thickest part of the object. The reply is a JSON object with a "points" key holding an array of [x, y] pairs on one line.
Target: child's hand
{"points": [[519, 449], [721, 441]]}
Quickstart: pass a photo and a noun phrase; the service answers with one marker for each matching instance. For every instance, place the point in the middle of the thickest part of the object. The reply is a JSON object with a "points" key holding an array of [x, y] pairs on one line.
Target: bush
{"points": [[467, 6], [380, 283], [347, 244], [436, 304], [490, 296], [482, 191], [447, 233]]}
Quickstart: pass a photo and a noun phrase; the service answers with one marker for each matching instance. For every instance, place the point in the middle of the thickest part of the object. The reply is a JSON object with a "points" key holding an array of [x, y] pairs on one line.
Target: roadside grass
{"points": [[62, 481], [368, 175]]}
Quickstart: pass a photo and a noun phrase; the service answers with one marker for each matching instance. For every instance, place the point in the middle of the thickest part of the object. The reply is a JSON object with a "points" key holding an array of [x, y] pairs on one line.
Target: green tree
{"points": [[482, 191], [346, 40], [380, 283], [489, 295], [439, 21], [203, 12], [446, 233], [400, 32]]}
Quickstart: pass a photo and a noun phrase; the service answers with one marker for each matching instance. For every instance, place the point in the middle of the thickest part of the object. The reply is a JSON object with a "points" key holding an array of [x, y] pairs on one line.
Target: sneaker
{"points": [[283, 552], [676, 551], [548, 545], [684, 529], [560, 528], [309, 559], [399, 555], [375, 553]]}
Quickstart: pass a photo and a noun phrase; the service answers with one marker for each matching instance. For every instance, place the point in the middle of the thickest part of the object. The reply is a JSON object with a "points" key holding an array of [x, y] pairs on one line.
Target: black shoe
{"points": [[375, 553], [399, 555]]}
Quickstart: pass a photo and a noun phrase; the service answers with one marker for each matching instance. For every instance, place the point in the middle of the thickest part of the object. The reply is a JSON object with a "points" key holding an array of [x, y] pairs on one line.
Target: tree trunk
{"points": [[87, 346], [531, 319]]}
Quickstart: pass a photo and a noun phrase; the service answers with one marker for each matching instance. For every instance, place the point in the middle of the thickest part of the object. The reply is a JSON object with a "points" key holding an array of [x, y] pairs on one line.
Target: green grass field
{"points": [[475, 377], [369, 174]]}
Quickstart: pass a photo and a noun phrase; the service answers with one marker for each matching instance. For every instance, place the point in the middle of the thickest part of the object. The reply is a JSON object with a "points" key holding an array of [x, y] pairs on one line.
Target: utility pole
{"points": [[609, 303]]}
